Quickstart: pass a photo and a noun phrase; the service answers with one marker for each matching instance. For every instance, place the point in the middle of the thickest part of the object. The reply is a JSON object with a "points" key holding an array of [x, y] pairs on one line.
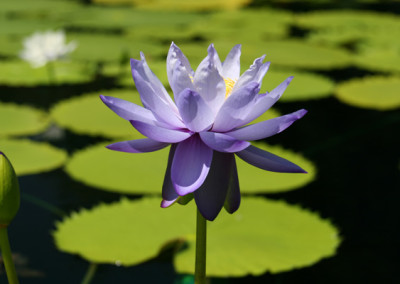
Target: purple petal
{"points": [[195, 113], [160, 134], [211, 196], [169, 194], [266, 128], [137, 146], [236, 108], [128, 110], [232, 201], [268, 161], [190, 165], [231, 65], [265, 101], [143, 69], [180, 74], [255, 73], [222, 142], [163, 109], [209, 82]]}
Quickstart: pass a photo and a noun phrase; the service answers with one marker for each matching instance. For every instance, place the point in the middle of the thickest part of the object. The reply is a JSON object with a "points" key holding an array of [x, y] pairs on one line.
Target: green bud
{"points": [[9, 191]]}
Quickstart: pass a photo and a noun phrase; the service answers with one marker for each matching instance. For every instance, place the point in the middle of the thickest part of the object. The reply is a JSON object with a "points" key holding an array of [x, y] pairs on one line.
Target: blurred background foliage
{"points": [[102, 206]]}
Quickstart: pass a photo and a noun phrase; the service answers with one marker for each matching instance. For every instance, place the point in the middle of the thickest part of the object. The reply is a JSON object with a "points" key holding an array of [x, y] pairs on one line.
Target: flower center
{"points": [[229, 83]]}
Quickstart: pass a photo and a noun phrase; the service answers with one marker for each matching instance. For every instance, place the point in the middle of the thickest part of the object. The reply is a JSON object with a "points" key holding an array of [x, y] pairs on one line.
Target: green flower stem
{"points": [[201, 247], [90, 273], [7, 257]]}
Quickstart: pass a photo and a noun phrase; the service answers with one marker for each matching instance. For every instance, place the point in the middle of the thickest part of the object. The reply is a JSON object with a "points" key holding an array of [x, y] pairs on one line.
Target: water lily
{"points": [[206, 125], [43, 47]]}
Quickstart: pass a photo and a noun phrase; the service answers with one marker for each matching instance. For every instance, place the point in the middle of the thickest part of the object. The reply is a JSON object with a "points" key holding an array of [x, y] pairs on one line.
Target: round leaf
{"points": [[376, 92], [121, 172], [30, 157], [144, 173], [304, 86], [21, 120], [254, 180], [90, 116], [262, 236], [19, 73]]}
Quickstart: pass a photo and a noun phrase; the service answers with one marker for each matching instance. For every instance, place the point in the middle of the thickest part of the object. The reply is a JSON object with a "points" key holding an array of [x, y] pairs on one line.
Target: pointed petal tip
{"points": [[167, 203]]}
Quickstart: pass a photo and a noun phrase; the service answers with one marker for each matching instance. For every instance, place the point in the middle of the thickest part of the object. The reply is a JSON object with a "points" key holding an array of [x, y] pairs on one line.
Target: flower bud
{"points": [[9, 191]]}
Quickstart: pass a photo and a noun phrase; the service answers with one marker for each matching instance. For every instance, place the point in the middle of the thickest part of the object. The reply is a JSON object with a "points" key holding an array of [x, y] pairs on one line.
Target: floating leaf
{"points": [[20, 73], [120, 172], [30, 157], [127, 17], [264, 24], [262, 236], [39, 8], [363, 21], [304, 86], [90, 116], [24, 27], [254, 180], [124, 73], [379, 56], [144, 173], [21, 120], [285, 53], [180, 5], [376, 92], [105, 48]]}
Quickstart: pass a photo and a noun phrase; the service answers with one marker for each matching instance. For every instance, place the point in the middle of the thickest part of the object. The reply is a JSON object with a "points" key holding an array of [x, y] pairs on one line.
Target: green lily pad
{"points": [[144, 173], [254, 180], [299, 54], [264, 24], [30, 157], [20, 73], [21, 120], [285, 53], [40, 7], [127, 17], [180, 5], [361, 20], [304, 86], [262, 236], [90, 116], [381, 56], [106, 48], [124, 74], [375, 92]]}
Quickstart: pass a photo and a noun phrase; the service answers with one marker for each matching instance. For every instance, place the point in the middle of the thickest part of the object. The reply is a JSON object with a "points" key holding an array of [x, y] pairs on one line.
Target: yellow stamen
{"points": [[229, 83]]}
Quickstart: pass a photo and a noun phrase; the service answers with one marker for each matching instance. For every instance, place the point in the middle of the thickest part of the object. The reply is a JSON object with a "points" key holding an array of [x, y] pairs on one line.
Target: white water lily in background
{"points": [[43, 47]]}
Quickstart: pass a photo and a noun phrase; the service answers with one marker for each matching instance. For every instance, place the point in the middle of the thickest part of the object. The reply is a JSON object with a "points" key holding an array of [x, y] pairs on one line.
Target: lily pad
{"points": [[127, 17], [265, 24], [180, 5], [283, 53], [254, 180], [21, 120], [304, 86], [30, 157], [262, 236], [88, 115], [106, 48], [41, 7], [20, 73], [375, 92], [144, 173]]}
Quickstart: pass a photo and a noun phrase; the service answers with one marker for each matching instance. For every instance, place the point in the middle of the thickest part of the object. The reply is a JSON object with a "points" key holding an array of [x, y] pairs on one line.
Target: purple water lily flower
{"points": [[205, 126]]}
